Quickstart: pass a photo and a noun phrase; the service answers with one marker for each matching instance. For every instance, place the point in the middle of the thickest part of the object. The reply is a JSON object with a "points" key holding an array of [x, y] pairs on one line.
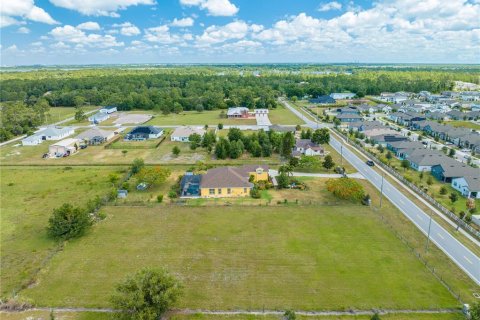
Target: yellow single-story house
{"points": [[231, 181]]}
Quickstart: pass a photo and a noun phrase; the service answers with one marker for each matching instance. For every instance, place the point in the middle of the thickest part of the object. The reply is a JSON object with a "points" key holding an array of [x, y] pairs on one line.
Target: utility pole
{"points": [[428, 234], [381, 192]]}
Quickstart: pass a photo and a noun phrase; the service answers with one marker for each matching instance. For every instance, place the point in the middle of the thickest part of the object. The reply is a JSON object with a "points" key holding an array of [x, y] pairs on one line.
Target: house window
{"points": [[219, 190], [229, 190], [244, 190], [211, 191]]}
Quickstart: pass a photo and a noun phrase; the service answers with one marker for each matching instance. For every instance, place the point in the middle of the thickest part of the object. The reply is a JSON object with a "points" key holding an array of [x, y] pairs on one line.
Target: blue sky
{"points": [[225, 31]]}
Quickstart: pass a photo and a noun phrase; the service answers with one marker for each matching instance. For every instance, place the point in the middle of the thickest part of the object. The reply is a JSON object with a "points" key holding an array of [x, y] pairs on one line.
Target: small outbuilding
{"points": [[64, 147]]}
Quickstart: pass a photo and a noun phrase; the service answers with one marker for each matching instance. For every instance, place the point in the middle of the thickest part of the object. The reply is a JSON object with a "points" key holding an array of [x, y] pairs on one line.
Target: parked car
{"points": [[83, 146], [370, 163]]}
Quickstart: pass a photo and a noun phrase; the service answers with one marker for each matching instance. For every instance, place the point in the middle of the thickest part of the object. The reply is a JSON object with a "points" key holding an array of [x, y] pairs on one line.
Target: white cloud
{"points": [[214, 7], [70, 34], [23, 30], [334, 5], [127, 29], [23, 9], [185, 22], [161, 34], [217, 34], [90, 25], [99, 7], [12, 48]]}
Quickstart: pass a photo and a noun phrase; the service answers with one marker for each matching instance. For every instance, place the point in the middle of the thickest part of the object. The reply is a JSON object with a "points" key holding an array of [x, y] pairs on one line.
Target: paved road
{"points": [[453, 248]]}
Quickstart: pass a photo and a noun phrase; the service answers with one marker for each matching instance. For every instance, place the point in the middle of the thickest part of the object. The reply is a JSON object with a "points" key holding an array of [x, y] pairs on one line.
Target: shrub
{"points": [[255, 193], [172, 194], [346, 188], [147, 294], [443, 190], [68, 222], [126, 186], [160, 198]]}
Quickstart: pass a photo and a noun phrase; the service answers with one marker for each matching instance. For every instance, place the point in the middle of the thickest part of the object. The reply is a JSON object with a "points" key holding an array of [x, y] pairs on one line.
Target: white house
{"points": [[181, 134], [469, 186], [50, 133], [108, 109], [32, 140], [98, 117], [66, 146], [308, 148]]}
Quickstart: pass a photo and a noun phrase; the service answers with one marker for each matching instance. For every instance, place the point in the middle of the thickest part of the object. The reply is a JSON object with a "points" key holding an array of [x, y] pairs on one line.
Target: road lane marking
{"points": [[468, 260], [419, 217], [438, 234]]}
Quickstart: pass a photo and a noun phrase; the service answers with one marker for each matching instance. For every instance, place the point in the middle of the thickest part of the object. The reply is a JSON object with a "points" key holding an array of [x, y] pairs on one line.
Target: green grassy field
{"points": [[45, 315], [302, 257], [29, 195], [56, 114], [464, 124]]}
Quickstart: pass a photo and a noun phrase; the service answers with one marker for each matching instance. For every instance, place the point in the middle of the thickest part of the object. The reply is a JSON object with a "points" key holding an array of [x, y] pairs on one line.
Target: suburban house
{"points": [[95, 136], [402, 149], [348, 110], [32, 140], [231, 181], [66, 146], [425, 159], [323, 100], [144, 133], [436, 116], [238, 112], [182, 134], [98, 117], [450, 169], [109, 109], [366, 125], [353, 117], [307, 148], [457, 115], [384, 138], [50, 133], [342, 95], [469, 186]]}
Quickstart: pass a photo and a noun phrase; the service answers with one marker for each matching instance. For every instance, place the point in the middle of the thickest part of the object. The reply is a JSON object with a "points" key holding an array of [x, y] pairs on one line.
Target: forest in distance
{"points": [[26, 96]]}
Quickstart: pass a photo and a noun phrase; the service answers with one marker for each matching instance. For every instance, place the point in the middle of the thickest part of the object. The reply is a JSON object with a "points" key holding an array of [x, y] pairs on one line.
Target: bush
{"points": [[443, 190], [160, 198], [346, 188], [126, 186], [172, 194], [255, 193], [68, 222], [147, 294]]}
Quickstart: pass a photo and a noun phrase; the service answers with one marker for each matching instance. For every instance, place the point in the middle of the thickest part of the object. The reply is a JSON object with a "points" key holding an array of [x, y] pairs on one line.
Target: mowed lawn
{"points": [[28, 196], [306, 258]]}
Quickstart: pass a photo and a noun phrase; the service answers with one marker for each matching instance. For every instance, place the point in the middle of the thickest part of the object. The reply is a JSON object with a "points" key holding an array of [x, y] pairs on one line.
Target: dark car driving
{"points": [[370, 163]]}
